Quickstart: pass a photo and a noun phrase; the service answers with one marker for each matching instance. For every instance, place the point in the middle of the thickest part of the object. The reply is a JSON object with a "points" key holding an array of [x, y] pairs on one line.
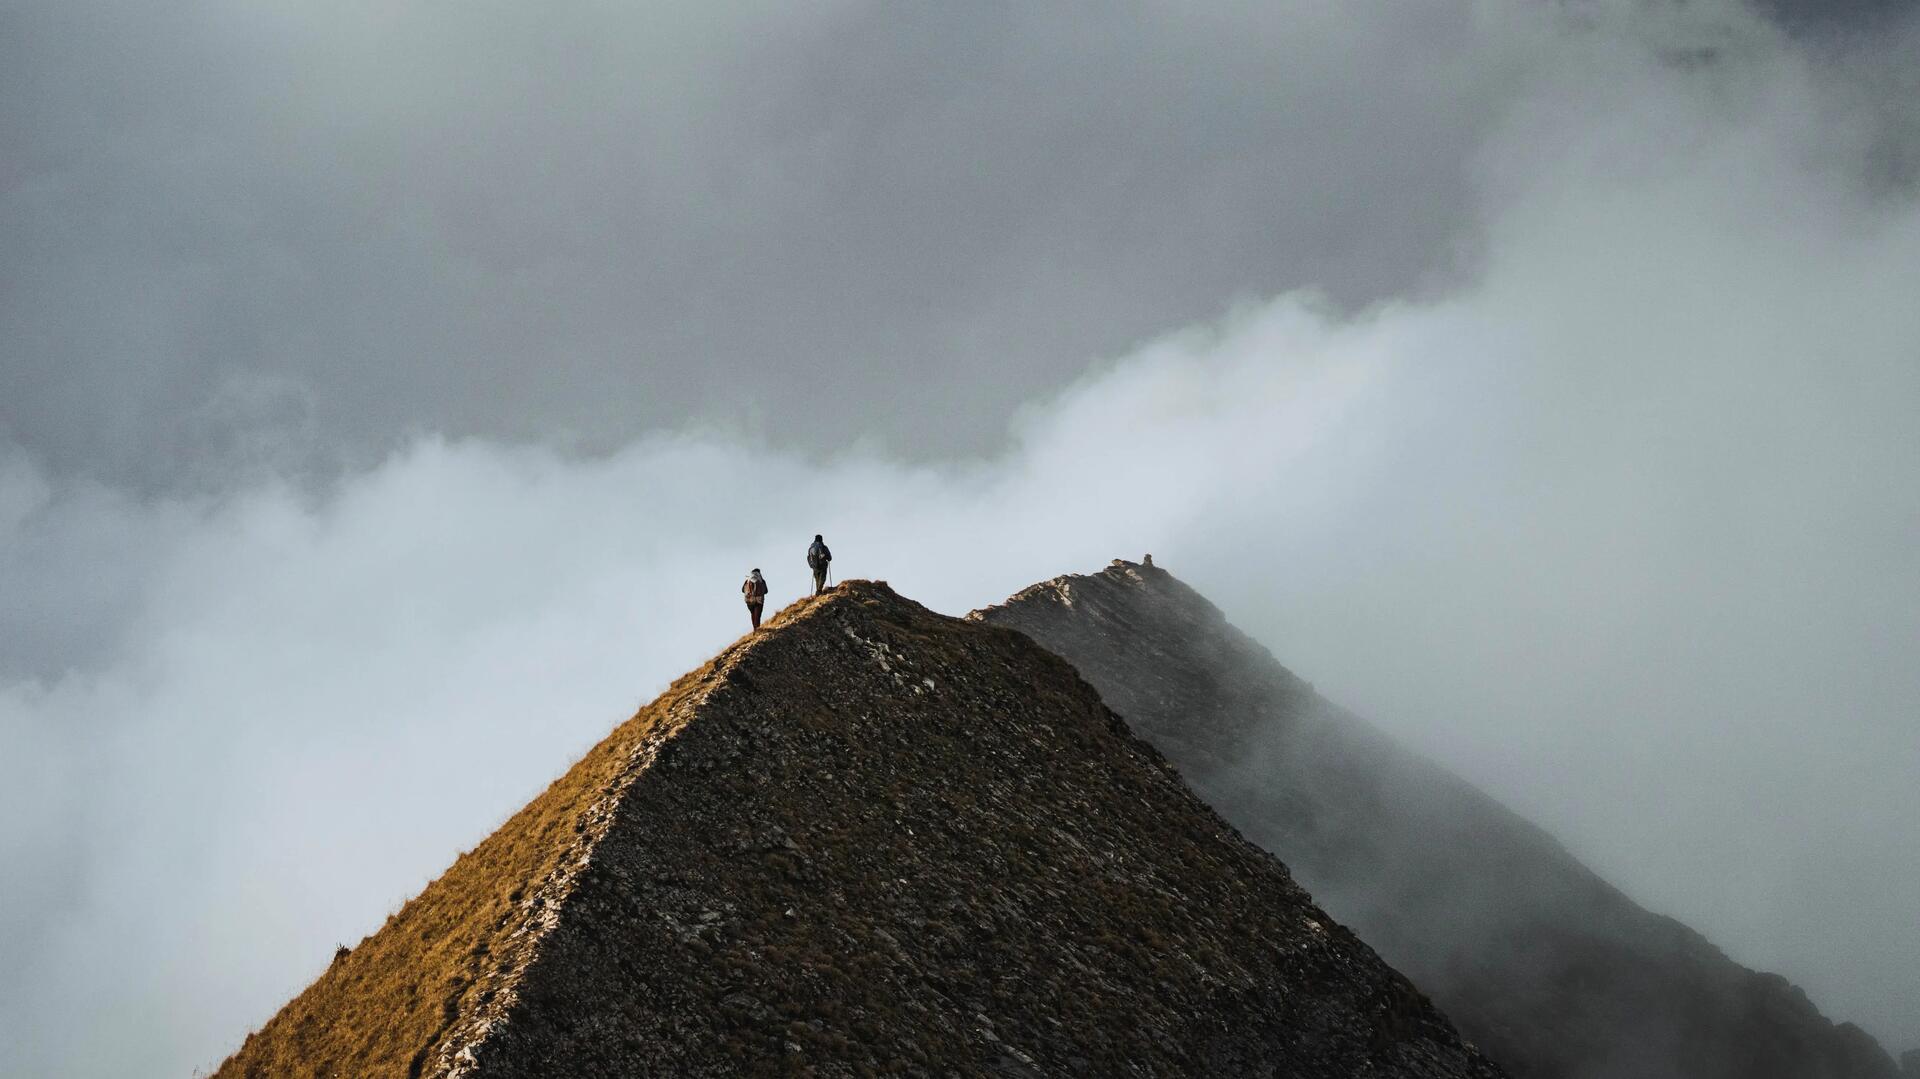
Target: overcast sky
{"points": [[391, 396]]}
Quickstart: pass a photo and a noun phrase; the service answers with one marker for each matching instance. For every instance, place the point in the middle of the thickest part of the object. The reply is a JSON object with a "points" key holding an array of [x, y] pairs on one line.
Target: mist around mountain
{"points": [[1554, 972], [866, 840]]}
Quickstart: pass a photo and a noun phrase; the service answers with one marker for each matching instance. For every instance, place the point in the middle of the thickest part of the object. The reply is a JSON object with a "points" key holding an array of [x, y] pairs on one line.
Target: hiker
{"points": [[755, 589], [817, 559]]}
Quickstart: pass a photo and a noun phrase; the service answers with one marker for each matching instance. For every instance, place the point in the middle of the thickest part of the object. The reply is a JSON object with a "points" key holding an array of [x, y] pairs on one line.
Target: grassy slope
{"points": [[451, 957]]}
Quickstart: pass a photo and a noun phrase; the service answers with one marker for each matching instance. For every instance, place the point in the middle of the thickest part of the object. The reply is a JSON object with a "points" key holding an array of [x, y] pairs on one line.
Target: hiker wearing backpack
{"points": [[818, 557], [755, 589]]}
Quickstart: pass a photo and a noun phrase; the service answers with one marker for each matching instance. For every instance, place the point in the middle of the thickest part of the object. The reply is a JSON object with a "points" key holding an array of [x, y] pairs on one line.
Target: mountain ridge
{"points": [[868, 839], [1552, 969]]}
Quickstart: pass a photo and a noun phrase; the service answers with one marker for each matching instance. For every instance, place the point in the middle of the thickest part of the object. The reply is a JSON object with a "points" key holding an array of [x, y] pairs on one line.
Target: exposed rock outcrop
{"points": [[1554, 972], [866, 840]]}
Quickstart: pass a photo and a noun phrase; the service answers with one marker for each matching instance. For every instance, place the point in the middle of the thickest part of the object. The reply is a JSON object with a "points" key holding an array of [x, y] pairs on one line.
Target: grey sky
{"points": [[1583, 461], [582, 221]]}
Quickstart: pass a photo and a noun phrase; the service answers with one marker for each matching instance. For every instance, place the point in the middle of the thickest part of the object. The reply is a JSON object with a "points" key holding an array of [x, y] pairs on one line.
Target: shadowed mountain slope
{"points": [[1553, 972], [867, 840]]}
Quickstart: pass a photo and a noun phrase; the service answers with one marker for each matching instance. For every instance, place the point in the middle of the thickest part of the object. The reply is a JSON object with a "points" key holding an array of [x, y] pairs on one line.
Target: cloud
{"points": [[571, 222], [1616, 519]]}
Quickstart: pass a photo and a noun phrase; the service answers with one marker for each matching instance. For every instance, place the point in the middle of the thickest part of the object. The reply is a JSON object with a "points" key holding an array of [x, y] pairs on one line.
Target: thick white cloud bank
{"points": [[1622, 530]]}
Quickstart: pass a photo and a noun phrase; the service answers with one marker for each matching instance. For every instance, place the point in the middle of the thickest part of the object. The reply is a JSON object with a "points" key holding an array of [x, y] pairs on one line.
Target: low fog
{"points": [[394, 404]]}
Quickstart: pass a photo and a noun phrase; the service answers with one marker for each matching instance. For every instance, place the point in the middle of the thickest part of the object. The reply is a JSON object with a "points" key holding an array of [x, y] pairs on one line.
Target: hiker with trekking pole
{"points": [[819, 559]]}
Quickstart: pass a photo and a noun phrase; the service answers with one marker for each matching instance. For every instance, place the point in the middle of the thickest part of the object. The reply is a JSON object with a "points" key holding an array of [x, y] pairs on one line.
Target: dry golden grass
{"points": [[450, 957]]}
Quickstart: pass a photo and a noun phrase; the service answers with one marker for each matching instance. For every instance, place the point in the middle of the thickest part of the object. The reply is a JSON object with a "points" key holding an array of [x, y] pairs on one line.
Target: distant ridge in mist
{"points": [[1541, 962]]}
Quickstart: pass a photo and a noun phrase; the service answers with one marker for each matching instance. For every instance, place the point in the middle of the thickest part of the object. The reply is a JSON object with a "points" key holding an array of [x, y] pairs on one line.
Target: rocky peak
{"points": [[1161, 654], [866, 840]]}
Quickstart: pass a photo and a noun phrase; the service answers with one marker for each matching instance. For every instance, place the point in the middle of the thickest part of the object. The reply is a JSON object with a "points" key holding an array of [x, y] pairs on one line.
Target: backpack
{"points": [[818, 556]]}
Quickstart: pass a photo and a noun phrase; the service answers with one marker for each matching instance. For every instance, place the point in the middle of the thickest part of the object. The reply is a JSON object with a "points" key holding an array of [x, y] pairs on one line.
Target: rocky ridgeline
{"points": [[1553, 972], [869, 840]]}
